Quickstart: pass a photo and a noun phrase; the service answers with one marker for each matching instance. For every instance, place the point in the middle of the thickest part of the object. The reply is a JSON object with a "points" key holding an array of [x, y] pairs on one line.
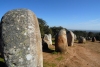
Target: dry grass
{"points": [[80, 55]]}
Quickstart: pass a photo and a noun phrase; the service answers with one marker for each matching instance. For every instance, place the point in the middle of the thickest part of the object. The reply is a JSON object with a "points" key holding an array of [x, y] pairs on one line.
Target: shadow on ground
{"points": [[46, 49]]}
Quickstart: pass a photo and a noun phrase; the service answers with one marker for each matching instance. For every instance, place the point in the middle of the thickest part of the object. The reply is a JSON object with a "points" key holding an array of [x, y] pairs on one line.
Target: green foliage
{"points": [[47, 64], [87, 34], [44, 28], [54, 52], [53, 41], [59, 58], [90, 34], [55, 30], [1, 60], [80, 33], [97, 35]]}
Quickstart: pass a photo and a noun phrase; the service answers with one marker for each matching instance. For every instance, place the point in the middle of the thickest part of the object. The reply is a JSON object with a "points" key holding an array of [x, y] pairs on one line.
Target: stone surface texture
{"points": [[93, 39], [61, 41], [75, 37], [22, 39], [81, 39], [70, 38], [48, 39]]}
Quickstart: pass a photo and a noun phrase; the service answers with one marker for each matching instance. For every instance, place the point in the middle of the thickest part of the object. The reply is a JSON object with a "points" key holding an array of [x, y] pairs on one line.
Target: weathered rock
{"points": [[48, 39], [75, 37], [44, 46], [93, 39], [81, 39], [70, 38], [88, 38], [61, 41], [22, 39]]}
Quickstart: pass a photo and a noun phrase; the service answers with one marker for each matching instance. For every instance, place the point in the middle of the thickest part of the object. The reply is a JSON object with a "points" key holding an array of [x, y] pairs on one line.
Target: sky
{"points": [[70, 14]]}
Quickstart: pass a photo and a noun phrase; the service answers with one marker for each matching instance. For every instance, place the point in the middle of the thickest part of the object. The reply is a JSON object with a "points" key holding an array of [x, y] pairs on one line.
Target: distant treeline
{"points": [[87, 34], [45, 29]]}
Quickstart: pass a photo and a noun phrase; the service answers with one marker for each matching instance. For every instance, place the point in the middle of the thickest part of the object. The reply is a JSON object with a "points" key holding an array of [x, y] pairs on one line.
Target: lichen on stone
{"points": [[22, 39], [28, 56]]}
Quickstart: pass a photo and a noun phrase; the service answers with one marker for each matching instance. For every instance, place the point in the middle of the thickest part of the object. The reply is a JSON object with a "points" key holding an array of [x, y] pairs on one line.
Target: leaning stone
{"points": [[75, 37], [22, 39], [81, 39], [70, 38], [48, 39], [61, 41], [93, 39]]}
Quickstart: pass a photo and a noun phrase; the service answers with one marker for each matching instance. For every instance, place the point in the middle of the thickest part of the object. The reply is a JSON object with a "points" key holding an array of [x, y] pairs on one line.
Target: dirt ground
{"points": [[79, 55]]}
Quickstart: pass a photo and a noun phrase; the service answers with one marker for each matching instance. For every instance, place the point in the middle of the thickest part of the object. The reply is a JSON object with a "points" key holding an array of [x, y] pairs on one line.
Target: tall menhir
{"points": [[22, 39]]}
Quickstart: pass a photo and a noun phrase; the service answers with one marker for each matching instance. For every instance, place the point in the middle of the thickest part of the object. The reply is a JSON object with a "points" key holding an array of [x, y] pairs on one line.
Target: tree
{"points": [[44, 28], [90, 34], [97, 36], [80, 33], [55, 30]]}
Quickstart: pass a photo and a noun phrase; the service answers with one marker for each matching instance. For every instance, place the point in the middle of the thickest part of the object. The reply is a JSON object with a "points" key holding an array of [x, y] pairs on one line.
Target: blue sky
{"points": [[71, 14]]}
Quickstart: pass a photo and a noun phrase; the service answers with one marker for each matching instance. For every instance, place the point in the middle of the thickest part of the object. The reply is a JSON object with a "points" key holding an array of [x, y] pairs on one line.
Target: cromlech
{"points": [[22, 39]]}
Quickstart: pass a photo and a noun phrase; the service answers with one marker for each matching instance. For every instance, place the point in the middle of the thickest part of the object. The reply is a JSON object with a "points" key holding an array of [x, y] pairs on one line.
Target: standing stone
{"points": [[61, 41], [48, 39], [93, 39], [44, 46], [81, 39], [70, 38], [46, 42], [75, 37], [88, 38], [22, 39]]}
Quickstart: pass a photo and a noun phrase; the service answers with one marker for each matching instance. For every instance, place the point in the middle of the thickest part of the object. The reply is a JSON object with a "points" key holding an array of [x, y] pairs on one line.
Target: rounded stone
{"points": [[70, 38], [61, 41], [20, 29]]}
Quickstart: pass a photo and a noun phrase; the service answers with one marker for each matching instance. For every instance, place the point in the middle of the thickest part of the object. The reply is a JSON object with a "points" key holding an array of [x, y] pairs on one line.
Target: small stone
{"points": [[81, 39]]}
